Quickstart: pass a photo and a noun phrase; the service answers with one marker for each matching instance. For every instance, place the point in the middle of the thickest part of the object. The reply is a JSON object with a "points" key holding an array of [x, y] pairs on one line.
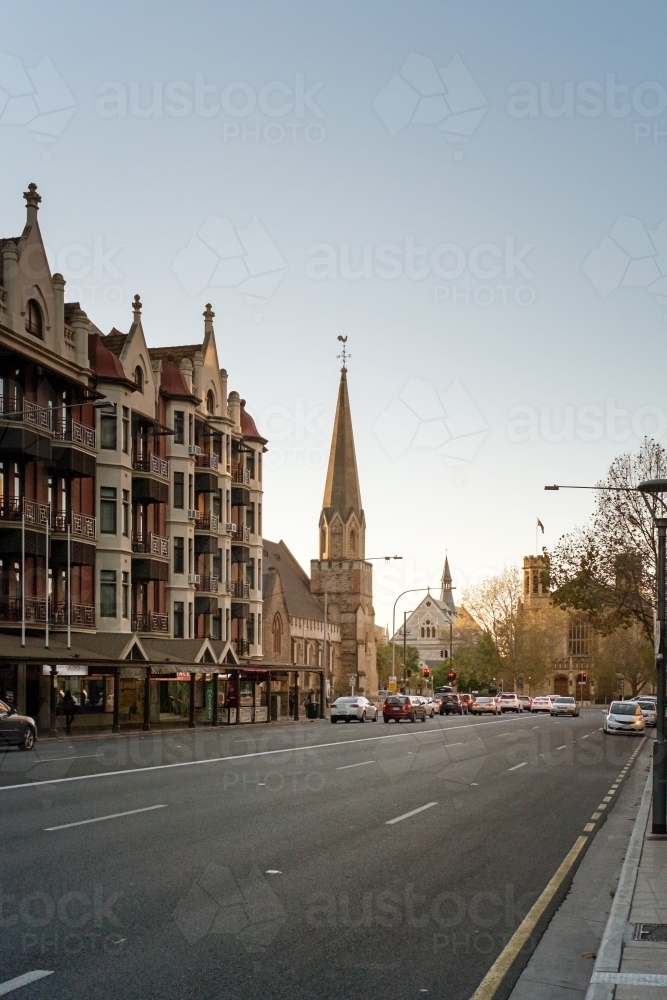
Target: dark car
{"points": [[452, 703], [401, 707], [16, 730]]}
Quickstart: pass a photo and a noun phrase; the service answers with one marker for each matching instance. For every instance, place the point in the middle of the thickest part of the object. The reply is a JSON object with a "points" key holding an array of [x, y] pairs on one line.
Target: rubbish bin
{"points": [[311, 710]]}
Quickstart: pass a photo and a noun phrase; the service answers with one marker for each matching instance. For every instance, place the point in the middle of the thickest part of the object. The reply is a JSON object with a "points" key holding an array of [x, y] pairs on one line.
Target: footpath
{"points": [[608, 939]]}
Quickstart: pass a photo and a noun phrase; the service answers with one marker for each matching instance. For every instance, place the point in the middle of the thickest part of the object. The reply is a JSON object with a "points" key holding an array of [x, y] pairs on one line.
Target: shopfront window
{"points": [[92, 695]]}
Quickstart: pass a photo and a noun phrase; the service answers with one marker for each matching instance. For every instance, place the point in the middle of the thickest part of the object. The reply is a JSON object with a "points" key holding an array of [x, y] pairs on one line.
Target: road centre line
{"points": [[243, 756], [413, 812], [101, 819], [27, 977], [360, 764], [489, 985]]}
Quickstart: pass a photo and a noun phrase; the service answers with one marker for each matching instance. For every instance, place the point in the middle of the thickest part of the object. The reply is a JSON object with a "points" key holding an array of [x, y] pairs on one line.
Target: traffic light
{"points": [[584, 677], [427, 671], [451, 676]]}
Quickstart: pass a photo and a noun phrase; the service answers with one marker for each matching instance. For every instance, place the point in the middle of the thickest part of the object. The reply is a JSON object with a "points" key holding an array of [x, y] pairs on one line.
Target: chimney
{"points": [[208, 315], [32, 200], [223, 380], [185, 368], [196, 375], [10, 263], [136, 309], [235, 410], [59, 318], [80, 327]]}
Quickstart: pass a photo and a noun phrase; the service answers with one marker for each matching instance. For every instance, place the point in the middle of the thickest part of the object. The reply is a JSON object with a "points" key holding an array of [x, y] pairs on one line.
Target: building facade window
{"points": [[108, 431], [579, 639], [179, 427], [125, 431], [108, 593], [108, 510], [179, 566], [139, 378], [210, 401], [125, 595], [179, 490], [179, 619], [191, 620], [34, 322], [126, 513]]}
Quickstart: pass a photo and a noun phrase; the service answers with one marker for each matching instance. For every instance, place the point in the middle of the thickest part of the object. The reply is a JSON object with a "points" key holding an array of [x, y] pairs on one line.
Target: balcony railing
{"points": [[150, 622], [81, 615], [242, 534], [75, 432], [207, 522], [240, 475], [240, 590], [24, 409], [154, 545], [80, 524], [151, 463], [211, 461], [241, 647], [208, 584]]}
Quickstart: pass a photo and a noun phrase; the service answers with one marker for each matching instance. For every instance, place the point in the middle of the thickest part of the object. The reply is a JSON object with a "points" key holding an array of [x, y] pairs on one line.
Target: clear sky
{"points": [[473, 192]]}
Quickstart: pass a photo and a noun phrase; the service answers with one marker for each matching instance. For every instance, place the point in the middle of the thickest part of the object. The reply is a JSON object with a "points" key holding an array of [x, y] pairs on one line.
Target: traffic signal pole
{"points": [[659, 747]]}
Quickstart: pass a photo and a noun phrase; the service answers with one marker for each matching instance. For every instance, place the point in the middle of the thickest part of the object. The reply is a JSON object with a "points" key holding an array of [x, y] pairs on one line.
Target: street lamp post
{"points": [[412, 590], [653, 487]]}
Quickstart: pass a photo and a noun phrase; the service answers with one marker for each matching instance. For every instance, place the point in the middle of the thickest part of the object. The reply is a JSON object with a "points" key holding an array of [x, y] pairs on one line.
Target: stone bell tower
{"points": [[341, 571]]}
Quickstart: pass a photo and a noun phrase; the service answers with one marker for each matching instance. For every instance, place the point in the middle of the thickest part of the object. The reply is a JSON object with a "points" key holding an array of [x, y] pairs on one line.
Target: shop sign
{"points": [[245, 715], [66, 670], [261, 714]]}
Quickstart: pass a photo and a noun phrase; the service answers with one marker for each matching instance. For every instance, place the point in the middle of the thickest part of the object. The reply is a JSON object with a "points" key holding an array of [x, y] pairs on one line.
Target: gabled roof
{"points": [[341, 491], [103, 363], [294, 581], [422, 610], [176, 354], [115, 341]]}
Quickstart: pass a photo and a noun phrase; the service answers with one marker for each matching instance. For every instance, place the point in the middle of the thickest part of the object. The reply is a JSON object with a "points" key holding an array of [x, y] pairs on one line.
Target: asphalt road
{"points": [[272, 868]]}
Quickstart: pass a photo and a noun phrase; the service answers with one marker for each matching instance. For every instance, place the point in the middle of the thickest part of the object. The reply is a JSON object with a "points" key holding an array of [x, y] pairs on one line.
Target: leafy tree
{"points": [[384, 662], [607, 569], [626, 658]]}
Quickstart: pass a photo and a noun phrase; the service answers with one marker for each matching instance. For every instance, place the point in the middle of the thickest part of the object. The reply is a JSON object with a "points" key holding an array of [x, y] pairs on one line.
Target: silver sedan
{"points": [[357, 708]]}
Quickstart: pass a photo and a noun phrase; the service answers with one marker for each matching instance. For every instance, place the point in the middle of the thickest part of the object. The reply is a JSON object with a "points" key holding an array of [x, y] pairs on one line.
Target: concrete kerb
{"points": [[610, 952]]}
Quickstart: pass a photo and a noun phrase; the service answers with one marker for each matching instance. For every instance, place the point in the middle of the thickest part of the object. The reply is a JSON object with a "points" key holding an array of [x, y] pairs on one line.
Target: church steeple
{"points": [[342, 522], [446, 595]]}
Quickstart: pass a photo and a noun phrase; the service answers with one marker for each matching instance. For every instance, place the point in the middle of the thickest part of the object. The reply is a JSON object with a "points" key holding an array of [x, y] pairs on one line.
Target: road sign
{"points": [[393, 684]]}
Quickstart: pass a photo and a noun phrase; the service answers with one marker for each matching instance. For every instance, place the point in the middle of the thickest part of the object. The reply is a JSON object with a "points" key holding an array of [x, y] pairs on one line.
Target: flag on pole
{"points": [[540, 525]]}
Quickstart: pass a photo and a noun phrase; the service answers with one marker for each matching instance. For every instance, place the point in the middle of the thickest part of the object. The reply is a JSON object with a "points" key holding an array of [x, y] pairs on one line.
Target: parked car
{"points": [[541, 704], [401, 707], [624, 717], [354, 708], [482, 705], [649, 711], [564, 705], [509, 702], [451, 703], [16, 730], [526, 701]]}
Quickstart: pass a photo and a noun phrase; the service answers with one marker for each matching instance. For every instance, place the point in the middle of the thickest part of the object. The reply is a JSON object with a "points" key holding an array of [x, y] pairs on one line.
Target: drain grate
{"points": [[650, 932]]}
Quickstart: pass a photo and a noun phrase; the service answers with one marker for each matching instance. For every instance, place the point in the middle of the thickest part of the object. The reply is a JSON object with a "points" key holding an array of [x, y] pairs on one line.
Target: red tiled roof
{"points": [[248, 426], [172, 382], [115, 341], [105, 364]]}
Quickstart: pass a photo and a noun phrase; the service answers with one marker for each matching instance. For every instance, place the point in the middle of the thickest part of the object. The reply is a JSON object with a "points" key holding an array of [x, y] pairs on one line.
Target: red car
{"points": [[401, 707]]}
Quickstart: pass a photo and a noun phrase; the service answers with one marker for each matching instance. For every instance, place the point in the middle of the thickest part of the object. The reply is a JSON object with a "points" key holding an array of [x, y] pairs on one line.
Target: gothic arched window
{"points": [[34, 323], [139, 378], [277, 635], [353, 543], [210, 401]]}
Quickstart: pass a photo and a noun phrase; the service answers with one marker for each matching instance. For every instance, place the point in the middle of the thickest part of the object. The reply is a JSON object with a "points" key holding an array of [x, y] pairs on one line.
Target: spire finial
{"points": [[136, 308], [209, 316], [32, 200], [343, 355]]}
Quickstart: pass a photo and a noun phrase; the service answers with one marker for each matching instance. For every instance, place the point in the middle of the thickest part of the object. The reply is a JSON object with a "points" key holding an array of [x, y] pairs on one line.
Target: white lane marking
{"points": [[586, 736], [459, 744], [360, 764], [27, 977], [83, 756], [100, 819], [517, 766], [563, 747], [272, 871], [413, 812], [244, 756]]}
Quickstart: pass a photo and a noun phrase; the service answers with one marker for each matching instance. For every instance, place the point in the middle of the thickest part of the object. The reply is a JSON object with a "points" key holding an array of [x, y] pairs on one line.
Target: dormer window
{"points": [[34, 323], [139, 378]]}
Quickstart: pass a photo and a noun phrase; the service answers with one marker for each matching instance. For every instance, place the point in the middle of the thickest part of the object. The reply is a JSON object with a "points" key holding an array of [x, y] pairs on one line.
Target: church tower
{"points": [[446, 595], [341, 572]]}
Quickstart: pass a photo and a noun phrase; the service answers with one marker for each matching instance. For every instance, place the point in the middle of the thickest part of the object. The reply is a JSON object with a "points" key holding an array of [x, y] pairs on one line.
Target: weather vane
{"points": [[344, 355]]}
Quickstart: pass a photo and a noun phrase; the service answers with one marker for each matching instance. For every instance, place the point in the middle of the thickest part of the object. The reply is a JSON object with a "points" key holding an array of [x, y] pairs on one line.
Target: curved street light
{"points": [[412, 590]]}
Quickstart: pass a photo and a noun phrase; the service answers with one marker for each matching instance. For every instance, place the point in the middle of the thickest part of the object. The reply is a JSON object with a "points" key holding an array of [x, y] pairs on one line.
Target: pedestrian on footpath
{"points": [[69, 708]]}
